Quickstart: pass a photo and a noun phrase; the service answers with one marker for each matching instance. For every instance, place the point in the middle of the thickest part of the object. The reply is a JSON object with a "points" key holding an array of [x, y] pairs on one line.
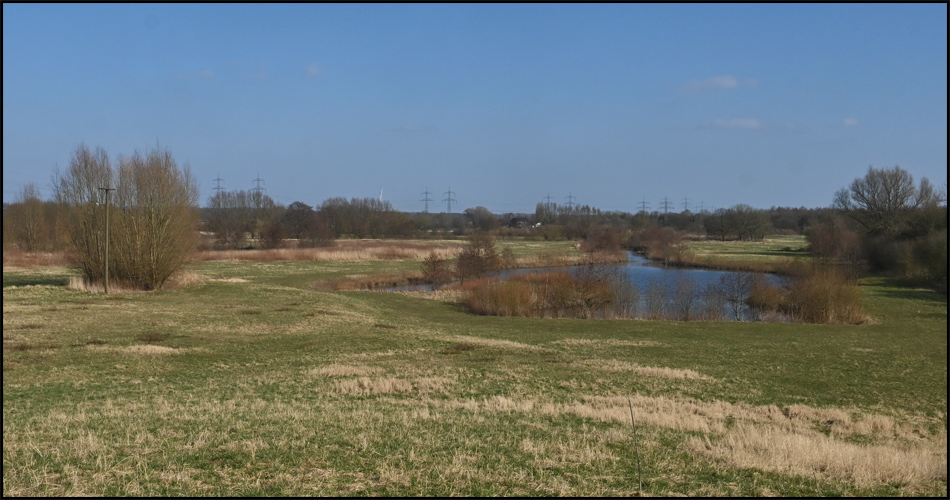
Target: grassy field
{"points": [[246, 380], [768, 254]]}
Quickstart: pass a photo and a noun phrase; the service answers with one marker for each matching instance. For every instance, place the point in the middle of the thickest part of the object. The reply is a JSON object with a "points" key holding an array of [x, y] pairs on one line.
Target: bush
{"points": [[152, 218], [824, 295]]}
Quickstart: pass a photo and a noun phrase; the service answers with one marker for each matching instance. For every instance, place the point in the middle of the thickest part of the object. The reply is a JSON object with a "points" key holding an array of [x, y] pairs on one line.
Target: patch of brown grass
{"points": [[342, 251], [336, 370], [812, 453], [80, 284], [368, 282], [389, 385], [647, 371], [19, 258]]}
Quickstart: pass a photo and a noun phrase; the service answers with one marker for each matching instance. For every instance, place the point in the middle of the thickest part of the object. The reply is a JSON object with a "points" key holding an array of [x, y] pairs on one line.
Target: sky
{"points": [[615, 106]]}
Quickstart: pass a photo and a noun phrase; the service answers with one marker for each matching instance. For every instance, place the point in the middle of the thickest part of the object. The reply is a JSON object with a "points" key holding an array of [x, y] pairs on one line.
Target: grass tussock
{"points": [[80, 284], [389, 385], [337, 370]]}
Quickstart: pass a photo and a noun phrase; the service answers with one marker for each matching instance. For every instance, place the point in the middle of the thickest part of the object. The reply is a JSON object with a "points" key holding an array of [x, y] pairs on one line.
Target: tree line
{"points": [[882, 222]]}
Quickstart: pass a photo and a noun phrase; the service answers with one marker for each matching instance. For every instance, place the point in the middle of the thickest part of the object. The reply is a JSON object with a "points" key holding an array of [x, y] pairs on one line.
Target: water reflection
{"points": [[646, 290]]}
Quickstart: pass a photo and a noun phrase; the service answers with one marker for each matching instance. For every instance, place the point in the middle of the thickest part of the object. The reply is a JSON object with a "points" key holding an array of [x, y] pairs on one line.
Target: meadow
{"points": [[252, 377]]}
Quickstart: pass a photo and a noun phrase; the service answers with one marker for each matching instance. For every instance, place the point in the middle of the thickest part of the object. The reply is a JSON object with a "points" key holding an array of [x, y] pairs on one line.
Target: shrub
{"points": [[435, 270], [823, 294], [153, 220]]}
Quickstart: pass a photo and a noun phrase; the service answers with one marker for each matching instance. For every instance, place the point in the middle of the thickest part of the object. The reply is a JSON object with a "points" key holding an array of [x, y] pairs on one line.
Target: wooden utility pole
{"points": [[107, 237]]}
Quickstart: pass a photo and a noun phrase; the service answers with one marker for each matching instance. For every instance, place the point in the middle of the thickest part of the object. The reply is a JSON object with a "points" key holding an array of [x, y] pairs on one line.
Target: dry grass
{"points": [[611, 343], [80, 284], [389, 385], [342, 251], [336, 370], [21, 259], [647, 371], [369, 282], [807, 454], [783, 440], [496, 343]]}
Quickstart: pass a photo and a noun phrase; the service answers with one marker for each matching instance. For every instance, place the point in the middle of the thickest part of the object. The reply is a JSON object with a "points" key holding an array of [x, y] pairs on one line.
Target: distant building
{"points": [[519, 222]]}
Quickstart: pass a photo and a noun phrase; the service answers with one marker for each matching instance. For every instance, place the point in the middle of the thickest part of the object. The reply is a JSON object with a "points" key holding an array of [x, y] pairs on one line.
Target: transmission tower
{"points": [[426, 199], [686, 204], [449, 198], [258, 191], [217, 185], [547, 201], [666, 204], [643, 205], [570, 200]]}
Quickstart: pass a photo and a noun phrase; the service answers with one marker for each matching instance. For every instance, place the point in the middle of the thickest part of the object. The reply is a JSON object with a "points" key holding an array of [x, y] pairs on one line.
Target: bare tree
{"points": [[479, 258], [656, 299], [736, 287], [435, 270], [28, 218], [626, 294], [230, 218], [156, 201], [78, 194], [685, 298], [714, 303], [719, 223], [153, 220], [883, 199]]}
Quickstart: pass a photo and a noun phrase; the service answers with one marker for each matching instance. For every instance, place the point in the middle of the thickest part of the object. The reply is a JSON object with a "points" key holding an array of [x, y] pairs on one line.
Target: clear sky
{"points": [[610, 104]]}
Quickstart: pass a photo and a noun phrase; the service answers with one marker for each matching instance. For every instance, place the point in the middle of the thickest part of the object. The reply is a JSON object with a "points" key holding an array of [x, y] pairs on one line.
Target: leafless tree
{"points": [[656, 300], [435, 270], [231, 216], [626, 294], [153, 217], [883, 199], [736, 287], [27, 217], [81, 200], [479, 258], [156, 203], [714, 303], [685, 298]]}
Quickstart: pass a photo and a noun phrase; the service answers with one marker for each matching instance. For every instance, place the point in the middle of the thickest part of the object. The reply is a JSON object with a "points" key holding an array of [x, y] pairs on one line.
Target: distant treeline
{"points": [[881, 223]]}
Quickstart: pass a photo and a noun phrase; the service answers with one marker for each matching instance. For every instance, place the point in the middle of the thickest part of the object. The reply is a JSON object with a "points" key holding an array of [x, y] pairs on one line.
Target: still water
{"points": [[651, 280]]}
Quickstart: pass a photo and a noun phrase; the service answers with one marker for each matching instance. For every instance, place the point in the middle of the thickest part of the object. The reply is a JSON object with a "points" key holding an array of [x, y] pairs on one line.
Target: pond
{"points": [[648, 290]]}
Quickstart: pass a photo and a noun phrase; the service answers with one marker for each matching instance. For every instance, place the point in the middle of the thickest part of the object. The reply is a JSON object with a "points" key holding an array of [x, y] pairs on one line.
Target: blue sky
{"points": [[611, 104]]}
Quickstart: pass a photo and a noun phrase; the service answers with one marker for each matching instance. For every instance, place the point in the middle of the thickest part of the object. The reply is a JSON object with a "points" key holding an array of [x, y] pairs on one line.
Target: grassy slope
{"points": [[265, 387]]}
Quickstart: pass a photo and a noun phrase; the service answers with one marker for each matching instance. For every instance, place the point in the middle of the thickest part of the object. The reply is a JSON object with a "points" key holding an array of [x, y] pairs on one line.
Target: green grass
{"points": [[267, 387], [772, 249]]}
